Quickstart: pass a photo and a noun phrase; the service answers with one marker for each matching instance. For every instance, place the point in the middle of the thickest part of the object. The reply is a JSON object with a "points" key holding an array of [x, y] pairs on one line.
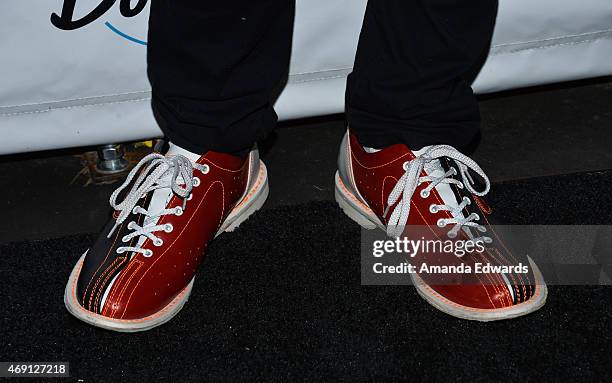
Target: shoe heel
{"points": [[358, 214], [252, 202]]}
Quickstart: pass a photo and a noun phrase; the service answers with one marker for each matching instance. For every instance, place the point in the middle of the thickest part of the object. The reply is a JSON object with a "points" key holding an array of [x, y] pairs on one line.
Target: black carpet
{"points": [[280, 300]]}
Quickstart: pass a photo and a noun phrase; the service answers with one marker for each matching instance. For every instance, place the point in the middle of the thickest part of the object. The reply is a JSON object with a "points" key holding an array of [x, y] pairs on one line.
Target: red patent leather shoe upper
{"points": [[131, 285], [374, 176]]}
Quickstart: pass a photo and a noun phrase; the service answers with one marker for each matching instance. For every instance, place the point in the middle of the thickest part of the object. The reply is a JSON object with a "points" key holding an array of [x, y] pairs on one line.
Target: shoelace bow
{"points": [[160, 172], [408, 183]]}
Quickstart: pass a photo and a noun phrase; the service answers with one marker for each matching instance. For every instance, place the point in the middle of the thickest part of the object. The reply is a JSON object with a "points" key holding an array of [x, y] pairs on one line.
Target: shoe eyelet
{"points": [[469, 201], [424, 193], [488, 240], [476, 217], [168, 228], [190, 197], [135, 209], [196, 182], [460, 185], [130, 225], [406, 165], [125, 239], [205, 169], [455, 172], [148, 253], [441, 222], [178, 211], [158, 242], [451, 235], [433, 209], [120, 250]]}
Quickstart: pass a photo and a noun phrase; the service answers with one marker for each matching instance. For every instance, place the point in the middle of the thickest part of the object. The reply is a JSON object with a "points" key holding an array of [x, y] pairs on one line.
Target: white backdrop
{"points": [[62, 88]]}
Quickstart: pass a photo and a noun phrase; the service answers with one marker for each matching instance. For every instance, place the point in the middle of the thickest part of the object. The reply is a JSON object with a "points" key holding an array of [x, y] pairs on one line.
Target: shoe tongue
{"points": [[161, 197], [435, 169], [175, 150]]}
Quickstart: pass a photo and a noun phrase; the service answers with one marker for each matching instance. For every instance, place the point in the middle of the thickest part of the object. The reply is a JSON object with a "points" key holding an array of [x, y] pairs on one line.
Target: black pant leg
{"points": [[413, 71], [214, 68]]}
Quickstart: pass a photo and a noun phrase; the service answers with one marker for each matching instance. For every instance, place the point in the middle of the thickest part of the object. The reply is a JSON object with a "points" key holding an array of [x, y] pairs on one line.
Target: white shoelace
{"points": [[408, 183], [161, 172]]}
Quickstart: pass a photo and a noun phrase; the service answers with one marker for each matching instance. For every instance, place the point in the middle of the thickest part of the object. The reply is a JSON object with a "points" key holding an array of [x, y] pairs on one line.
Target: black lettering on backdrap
{"points": [[65, 20]]}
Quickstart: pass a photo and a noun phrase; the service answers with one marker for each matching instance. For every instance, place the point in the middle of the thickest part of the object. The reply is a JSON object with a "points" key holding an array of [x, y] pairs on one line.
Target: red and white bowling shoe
{"points": [[140, 271], [403, 192]]}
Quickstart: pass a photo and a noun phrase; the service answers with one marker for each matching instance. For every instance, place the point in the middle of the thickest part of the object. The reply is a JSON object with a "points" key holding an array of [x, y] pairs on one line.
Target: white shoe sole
{"points": [[365, 217], [252, 202]]}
